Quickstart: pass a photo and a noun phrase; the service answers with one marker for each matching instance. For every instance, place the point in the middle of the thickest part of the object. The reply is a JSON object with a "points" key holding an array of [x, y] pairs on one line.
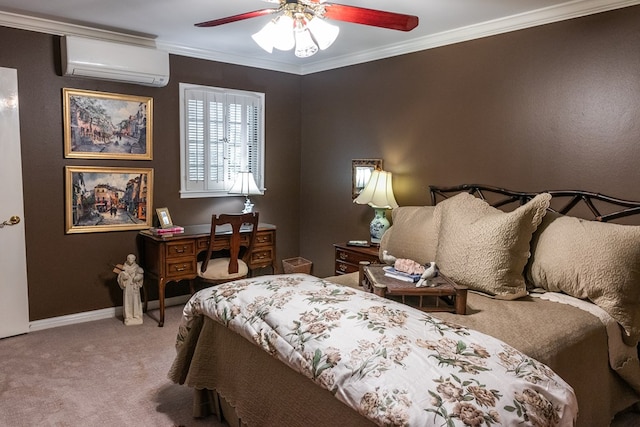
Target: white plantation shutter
{"points": [[222, 133]]}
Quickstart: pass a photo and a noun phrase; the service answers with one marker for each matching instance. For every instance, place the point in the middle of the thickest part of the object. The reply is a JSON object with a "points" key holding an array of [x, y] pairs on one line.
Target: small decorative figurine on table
{"points": [[130, 279]]}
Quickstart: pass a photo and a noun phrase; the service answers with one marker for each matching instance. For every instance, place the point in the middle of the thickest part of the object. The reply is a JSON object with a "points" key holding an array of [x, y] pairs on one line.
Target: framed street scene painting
{"points": [[107, 125], [108, 199]]}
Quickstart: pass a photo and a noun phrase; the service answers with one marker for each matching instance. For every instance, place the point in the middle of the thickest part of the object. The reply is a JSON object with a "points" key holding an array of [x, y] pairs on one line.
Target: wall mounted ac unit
{"points": [[99, 59]]}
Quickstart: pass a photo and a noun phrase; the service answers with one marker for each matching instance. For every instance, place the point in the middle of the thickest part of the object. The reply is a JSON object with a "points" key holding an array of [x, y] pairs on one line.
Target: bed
{"points": [[577, 354]]}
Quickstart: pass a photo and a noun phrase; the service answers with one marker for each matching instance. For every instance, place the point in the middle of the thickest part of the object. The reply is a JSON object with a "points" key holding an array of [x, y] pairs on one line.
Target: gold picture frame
{"points": [[101, 125], [101, 199], [164, 218], [361, 172]]}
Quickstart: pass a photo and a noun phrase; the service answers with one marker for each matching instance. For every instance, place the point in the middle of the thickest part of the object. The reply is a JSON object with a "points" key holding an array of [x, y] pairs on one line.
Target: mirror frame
{"points": [[358, 166]]}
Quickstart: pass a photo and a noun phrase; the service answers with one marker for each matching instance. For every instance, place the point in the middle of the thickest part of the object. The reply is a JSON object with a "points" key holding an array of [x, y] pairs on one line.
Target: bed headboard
{"points": [[567, 200]]}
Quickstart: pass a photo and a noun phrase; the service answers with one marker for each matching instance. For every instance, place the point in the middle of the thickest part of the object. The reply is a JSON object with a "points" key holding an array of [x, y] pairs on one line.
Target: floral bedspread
{"points": [[393, 364]]}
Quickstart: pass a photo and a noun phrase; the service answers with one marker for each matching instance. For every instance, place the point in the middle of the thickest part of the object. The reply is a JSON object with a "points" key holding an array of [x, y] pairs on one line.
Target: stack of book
{"points": [[400, 275], [169, 231]]}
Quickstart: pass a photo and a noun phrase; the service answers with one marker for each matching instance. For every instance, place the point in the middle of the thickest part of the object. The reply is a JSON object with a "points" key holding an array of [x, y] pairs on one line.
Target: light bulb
{"points": [[264, 38], [305, 46], [283, 33], [323, 32]]}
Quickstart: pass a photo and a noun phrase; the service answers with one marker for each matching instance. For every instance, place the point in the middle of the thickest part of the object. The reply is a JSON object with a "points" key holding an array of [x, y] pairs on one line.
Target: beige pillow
{"points": [[485, 248], [412, 234], [595, 261]]}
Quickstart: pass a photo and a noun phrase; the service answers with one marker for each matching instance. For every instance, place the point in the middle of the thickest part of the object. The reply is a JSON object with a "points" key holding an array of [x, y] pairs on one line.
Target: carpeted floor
{"points": [[98, 373], [103, 373]]}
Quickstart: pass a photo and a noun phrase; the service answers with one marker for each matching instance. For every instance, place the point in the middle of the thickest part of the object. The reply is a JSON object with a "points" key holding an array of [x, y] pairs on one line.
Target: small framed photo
{"points": [[100, 125], [108, 199], [361, 170], [164, 219]]}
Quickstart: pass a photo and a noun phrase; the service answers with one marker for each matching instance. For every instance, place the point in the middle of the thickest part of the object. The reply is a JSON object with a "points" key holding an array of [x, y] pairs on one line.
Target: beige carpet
{"points": [[103, 373], [98, 373]]}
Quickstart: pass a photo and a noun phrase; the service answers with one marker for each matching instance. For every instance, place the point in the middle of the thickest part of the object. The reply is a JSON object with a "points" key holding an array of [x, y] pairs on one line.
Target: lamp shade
{"points": [[378, 193], [244, 184]]}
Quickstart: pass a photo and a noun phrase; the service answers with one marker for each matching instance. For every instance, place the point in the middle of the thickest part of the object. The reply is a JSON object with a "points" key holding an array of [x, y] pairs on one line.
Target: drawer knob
{"points": [[343, 256], [342, 267], [183, 268]]}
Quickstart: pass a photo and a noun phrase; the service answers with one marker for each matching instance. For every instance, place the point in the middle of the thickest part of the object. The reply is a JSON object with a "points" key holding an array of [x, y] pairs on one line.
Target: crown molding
{"points": [[48, 26], [228, 58], [570, 10], [548, 15]]}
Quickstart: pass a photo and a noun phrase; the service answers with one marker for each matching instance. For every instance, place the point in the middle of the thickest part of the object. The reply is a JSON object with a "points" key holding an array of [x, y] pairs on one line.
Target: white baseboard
{"points": [[105, 313]]}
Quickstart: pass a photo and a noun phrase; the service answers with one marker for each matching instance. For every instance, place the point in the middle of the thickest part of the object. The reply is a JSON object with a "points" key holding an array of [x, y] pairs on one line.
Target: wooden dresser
{"points": [[348, 257]]}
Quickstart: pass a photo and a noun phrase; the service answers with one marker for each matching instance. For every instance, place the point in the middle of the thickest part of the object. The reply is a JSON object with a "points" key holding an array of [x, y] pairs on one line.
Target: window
{"points": [[221, 134]]}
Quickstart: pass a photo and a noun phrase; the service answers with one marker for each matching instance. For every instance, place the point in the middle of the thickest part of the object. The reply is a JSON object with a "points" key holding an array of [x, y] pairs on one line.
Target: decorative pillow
{"points": [[485, 248], [412, 234], [592, 260]]}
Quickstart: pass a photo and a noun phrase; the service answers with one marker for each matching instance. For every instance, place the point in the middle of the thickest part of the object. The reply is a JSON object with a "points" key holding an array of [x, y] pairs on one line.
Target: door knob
{"points": [[12, 221]]}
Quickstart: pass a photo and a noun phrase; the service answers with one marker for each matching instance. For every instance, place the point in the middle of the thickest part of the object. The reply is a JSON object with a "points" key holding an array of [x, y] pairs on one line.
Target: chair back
{"points": [[243, 228]]}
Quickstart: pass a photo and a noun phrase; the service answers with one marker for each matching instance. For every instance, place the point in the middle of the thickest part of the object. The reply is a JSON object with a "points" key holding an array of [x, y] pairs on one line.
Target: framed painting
{"points": [[361, 172], [108, 199], [100, 125]]}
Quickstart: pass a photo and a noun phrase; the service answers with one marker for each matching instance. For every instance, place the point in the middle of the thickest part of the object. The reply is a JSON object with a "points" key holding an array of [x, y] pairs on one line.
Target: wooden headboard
{"points": [[569, 200]]}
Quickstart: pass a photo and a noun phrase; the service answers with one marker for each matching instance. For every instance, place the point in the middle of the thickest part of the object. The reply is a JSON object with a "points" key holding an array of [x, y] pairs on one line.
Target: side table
{"points": [[443, 295], [349, 257]]}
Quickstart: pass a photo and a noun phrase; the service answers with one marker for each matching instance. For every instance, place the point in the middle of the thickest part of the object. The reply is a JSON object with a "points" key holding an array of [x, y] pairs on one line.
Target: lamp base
{"points": [[248, 206], [378, 225]]}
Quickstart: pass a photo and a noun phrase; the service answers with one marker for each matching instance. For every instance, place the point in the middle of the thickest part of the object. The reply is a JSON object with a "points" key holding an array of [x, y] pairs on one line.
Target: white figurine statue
{"points": [[430, 272], [130, 279]]}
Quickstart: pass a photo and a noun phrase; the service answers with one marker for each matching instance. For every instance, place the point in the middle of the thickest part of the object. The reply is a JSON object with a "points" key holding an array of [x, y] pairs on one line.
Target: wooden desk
{"points": [[175, 258]]}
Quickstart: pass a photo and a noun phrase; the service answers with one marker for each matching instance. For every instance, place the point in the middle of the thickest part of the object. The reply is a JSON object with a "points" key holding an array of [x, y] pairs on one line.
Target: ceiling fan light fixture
{"points": [[264, 38], [305, 46], [323, 32], [283, 38], [301, 24]]}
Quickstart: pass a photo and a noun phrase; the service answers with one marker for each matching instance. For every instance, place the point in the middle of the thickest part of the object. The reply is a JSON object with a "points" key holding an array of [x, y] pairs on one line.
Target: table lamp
{"points": [[246, 185], [378, 193]]}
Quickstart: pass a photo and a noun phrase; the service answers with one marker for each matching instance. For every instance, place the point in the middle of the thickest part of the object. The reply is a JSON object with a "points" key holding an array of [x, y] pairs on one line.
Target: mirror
{"points": [[361, 172]]}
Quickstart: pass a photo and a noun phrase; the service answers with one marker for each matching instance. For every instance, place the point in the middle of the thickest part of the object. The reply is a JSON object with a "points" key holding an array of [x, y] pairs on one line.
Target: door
{"points": [[14, 303]]}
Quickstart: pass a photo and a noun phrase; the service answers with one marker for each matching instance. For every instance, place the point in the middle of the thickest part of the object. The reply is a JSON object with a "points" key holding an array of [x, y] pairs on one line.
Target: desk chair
{"points": [[214, 271]]}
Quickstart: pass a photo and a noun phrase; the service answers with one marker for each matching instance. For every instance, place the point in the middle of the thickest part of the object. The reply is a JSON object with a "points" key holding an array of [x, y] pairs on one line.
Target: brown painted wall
{"points": [[552, 107], [72, 273], [556, 106]]}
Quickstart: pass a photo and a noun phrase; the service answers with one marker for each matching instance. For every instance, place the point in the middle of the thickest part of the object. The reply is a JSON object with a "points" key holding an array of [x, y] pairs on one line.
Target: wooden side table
{"points": [[443, 295], [348, 257]]}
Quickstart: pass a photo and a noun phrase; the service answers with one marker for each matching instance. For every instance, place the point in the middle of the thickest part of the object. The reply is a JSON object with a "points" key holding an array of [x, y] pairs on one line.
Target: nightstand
{"points": [[348, 257]]}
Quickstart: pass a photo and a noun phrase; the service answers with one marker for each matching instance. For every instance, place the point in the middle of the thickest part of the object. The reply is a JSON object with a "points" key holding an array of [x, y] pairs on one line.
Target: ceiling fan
{"points": [[301, 24]]}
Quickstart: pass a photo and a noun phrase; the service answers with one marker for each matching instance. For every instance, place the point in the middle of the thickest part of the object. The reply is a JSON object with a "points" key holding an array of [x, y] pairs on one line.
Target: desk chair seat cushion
{"points": [[218, 269]]}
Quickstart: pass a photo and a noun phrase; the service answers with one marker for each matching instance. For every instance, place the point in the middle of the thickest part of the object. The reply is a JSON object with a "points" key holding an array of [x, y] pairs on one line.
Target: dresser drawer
{"points": [[352, 257], [180, 248], [344, 268], [261, 256], [264, 238], [348, 258], [183, 267]]}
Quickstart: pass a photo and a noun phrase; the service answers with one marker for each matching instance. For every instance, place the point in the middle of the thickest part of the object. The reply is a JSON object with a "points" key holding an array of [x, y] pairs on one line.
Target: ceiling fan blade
{"points": [[376, 18], [235, 18]]}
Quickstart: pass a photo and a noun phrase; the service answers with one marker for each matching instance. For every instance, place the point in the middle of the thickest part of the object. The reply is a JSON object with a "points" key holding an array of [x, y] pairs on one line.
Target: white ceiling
{"points": [[169, 25]]}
